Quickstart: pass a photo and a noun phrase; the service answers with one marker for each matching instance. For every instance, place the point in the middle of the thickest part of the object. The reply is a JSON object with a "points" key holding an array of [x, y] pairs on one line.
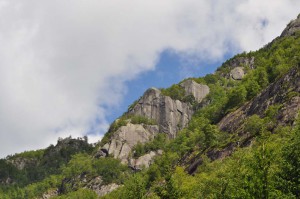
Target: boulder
{"points": [[237, 73]]}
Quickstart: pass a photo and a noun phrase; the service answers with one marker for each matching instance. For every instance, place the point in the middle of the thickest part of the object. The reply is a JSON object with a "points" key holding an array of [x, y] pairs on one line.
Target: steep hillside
{"points": [[231, 134]]}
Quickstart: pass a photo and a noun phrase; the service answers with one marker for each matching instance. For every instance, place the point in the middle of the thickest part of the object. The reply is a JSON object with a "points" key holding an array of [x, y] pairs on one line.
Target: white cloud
{"points": [[62, 62]]}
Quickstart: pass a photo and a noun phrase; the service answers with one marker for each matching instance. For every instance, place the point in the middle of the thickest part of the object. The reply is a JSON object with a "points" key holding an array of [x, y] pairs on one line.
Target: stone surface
{"points": [[237, 62], [199, 91], [171, 115], [105, 189], [50, 194], [96, 184], [144, 161], [126, 137], [292, 27], [237, 73]]}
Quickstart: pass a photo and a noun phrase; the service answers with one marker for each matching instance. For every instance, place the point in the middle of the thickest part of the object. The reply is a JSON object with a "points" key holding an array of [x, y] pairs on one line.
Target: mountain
{"points": [[231, 134]]}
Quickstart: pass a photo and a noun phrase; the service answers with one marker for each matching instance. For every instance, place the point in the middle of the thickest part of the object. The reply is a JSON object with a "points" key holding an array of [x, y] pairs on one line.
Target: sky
{"points": [[72, 67]]}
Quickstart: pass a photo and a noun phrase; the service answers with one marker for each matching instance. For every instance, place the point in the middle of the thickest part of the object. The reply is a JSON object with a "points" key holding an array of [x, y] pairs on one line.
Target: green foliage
{"points": [[137, 119], [254, 125], [236, 97], [37, 154], [110, 170], [77, 165], [175, 92], [158, 142], [289, 176]]}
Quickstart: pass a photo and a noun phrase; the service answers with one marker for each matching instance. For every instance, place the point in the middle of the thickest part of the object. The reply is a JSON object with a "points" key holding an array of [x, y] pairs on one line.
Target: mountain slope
{"points": [[231, 134]]}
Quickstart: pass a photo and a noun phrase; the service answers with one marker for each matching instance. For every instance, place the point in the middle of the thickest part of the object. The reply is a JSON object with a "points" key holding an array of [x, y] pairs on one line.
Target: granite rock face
{"points": [[171, 115], [291, 28], [144, 161], [126, 137], [199, 91]]}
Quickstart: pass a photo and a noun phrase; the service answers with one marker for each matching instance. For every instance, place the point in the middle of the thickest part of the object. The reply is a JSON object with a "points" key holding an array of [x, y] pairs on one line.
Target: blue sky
{"points": [[72, 68]]}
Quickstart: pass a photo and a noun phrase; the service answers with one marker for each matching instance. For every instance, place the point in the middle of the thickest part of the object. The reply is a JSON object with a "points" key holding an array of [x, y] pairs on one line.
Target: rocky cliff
{"points": [[171, 115]]}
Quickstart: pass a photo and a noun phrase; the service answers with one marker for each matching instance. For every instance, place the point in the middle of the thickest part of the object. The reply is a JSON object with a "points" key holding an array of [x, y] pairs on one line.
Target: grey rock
{"points": [[237, 73], [241, 62], [171, 115], [144, 161], [105, 189], [199, 91], [96, 184], [128, 136]]}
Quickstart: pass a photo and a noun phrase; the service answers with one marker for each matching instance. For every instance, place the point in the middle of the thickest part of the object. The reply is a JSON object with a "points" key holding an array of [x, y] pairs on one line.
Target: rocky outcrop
{"points": [[105, 189], [144, 161], [96, 184], [237, 73], [241, 62], [291, 28], [235, 67], [198, 91], [126, 137], [171, 115], [284, 91]]}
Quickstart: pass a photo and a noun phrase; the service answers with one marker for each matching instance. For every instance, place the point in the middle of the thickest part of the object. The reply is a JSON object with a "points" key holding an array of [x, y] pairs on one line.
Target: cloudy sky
{"points": [[71, 67]]}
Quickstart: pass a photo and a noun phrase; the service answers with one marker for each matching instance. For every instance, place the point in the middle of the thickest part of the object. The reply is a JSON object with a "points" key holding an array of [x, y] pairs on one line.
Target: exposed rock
{"points": [[96, 185], [292, 27], [241, 62], [171, 115], [237, 73], [105, 189], [126, 137], [285, 91], [229, 71], [50, 193], [199, 91], [277, 93], [143, 161]]}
